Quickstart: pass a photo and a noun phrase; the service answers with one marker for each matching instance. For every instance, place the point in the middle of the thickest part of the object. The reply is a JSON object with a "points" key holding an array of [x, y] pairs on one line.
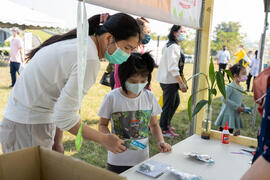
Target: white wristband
{"points": [[182, 85]]}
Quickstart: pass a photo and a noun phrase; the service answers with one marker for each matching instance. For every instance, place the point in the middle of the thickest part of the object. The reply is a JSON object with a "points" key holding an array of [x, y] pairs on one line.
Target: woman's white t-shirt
{"points": [[168, 67], [47, 89]]}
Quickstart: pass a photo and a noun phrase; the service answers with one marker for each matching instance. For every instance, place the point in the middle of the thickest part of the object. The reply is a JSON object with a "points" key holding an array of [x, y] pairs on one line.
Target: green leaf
{"points": [[221, 83], [199, 106], [241, 91], [213, 91], [190, 107], [229, 73], [212, 71], [79, 138]]}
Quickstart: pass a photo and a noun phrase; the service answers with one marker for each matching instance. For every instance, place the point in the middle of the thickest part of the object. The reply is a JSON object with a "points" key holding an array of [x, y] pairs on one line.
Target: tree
{"points": [[154, 36], [227, 34]]}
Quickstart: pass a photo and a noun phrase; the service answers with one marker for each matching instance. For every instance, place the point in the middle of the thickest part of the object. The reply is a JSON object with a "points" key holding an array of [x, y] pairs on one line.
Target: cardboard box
{"points": [[38, 163]]}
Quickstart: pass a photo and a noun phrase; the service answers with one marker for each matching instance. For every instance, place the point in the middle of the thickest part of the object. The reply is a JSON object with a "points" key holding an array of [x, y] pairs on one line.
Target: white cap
{"points": [[15, 29]]}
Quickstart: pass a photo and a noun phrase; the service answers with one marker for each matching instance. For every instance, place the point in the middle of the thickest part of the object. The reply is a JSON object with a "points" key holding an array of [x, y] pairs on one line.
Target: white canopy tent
{"points": [[12, 14], [180, 12]]}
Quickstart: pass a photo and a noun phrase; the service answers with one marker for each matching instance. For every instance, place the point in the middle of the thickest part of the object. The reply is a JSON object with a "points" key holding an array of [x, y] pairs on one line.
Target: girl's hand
{"points": [[113, 143], [164, 147], [240, 109]]}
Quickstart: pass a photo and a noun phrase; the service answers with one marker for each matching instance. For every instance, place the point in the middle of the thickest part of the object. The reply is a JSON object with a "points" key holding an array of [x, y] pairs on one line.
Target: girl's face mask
{"points": [[135, 88], [242, 78]]}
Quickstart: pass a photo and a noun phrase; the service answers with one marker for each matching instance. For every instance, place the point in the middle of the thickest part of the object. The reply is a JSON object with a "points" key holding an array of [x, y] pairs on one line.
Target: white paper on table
{"points": [[159, 169]]}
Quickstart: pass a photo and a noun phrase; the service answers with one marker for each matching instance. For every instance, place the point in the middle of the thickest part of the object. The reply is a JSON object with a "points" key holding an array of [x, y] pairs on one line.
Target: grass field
{"points": [[96, 154]]}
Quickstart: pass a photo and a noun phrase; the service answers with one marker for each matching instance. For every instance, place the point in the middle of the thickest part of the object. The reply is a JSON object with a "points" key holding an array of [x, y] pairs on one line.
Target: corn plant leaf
{"points": [[212, 72], [190, 107], [199, 106], [213, 91], [221, 83], [229, 73]]}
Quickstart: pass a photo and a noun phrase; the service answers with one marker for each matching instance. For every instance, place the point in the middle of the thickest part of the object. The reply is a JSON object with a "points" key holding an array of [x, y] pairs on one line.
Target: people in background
{"points": [[145, 39], [223, 58], [170, 79], [254, 69], [16, 55], [132, 109], [242, 57], [232, 106]]}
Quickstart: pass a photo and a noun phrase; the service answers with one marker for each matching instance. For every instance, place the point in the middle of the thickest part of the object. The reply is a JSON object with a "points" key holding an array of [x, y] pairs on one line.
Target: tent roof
{"points": [[180, 12], [12, 14]]}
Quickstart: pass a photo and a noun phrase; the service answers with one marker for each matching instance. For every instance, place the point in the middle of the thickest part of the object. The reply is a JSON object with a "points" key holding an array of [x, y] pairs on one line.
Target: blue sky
{"points": [[248, 12]]}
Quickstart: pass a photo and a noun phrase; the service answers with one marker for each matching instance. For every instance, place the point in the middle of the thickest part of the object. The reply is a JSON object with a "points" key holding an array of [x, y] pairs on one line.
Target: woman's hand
{"points": [[164, 147], [58, 147], [113, 143], [58, 143], [183, 87]]}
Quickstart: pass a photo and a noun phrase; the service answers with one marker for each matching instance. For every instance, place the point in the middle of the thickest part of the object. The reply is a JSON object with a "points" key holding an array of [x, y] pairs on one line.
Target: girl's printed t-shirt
{"points": [[130, 118]]}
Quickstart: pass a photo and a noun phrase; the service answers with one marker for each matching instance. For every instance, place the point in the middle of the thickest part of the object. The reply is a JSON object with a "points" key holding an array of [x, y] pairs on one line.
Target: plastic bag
{"points": [[184, 176], [202, 157]]}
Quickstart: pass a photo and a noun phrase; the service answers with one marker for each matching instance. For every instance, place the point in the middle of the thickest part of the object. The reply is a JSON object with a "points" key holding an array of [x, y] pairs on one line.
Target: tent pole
{"points": [[204, 57], [196, 69], [195, 81]]}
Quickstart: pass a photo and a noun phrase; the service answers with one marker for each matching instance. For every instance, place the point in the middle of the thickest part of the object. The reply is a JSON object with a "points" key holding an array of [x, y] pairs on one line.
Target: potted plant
{"points": [[215, 80]]}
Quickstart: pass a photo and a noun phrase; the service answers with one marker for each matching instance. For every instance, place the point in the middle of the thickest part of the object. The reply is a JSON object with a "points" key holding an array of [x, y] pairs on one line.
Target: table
{"points": [[227, 166]]}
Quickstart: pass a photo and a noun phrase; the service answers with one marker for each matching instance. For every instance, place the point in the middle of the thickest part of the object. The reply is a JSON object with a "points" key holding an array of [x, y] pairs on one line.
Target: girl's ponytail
{"points": [[149, 61]]}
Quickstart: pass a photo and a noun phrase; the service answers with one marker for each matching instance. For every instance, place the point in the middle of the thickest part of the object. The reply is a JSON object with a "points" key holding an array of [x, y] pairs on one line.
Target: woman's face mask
{"points": [[181, 37], [118, 57], [146, 39], [135, 88]]}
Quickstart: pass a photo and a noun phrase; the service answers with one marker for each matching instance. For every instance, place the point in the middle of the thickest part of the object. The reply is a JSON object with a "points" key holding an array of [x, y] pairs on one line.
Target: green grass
{"points": [[97, 155]]}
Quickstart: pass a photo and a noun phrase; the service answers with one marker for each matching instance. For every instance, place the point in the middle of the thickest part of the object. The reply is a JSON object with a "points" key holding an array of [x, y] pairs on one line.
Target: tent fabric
{"points": [[12, 14], [179, 12]]}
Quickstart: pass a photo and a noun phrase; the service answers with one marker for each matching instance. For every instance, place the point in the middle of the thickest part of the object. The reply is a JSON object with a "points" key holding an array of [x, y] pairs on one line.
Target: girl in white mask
{"points": [[233, 106], [132, 109]]}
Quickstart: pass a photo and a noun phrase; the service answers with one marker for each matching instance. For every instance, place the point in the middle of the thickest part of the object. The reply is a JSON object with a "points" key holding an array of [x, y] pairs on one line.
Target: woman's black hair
{"points": [[137, 63], [120, 25], [256, 54], [171, 35], [235, 69]]}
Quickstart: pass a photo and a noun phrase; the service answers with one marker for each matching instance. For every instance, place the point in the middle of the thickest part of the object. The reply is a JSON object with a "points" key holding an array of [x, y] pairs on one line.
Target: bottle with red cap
{"points": [[226, 134]]}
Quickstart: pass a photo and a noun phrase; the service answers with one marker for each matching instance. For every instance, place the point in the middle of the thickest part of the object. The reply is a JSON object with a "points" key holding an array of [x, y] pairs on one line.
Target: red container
{"points": [[226, 134]]}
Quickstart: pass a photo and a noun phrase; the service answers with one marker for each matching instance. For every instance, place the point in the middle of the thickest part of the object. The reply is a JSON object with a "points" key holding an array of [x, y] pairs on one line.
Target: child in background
{"points": [[132, 109], [144, 25], [233, 106]]}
